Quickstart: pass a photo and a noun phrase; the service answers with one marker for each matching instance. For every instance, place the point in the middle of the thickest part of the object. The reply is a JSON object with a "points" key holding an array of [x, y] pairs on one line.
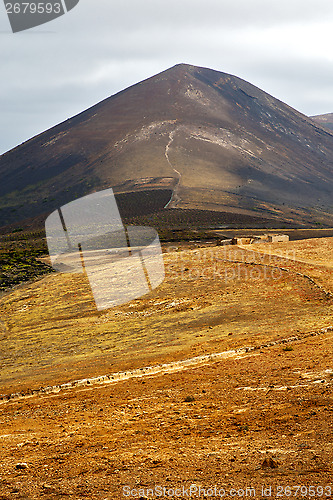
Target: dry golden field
{"points": [[258, 416]]}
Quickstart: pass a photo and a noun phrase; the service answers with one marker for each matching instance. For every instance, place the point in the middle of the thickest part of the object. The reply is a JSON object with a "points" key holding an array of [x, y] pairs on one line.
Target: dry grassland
{"points": [[262, 417]]}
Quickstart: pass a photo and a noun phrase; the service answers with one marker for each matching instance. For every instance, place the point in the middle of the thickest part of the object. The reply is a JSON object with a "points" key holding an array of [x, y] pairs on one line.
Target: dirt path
{"points": [[163, 369], [324, 290], [174, 198]]}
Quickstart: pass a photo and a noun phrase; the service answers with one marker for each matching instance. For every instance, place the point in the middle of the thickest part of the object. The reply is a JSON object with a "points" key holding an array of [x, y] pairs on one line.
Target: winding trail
{"points": [[162, 369], [325, 291], [174, 198]]}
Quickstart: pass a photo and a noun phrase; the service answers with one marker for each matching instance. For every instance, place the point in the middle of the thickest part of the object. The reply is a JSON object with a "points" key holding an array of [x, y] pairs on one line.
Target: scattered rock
{"points": [[270, 463], [21, 466]]}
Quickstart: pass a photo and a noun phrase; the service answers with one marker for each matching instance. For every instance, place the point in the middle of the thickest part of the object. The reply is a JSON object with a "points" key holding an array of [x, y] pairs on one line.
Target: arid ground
{"points": [[257, 416]]}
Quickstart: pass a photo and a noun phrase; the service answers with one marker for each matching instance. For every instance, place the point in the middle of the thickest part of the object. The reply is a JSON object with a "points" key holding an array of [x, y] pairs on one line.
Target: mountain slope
{"points": [[324, 120], [214, 140]]}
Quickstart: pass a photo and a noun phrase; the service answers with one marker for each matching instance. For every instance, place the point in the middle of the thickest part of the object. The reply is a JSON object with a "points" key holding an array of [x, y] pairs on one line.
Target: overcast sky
{"points": [[102, 46]]}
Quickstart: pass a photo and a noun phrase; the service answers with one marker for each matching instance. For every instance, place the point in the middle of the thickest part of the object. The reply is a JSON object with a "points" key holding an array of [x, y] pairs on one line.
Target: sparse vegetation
{"points": [[18, 257], [189, 399], [19, 266]]}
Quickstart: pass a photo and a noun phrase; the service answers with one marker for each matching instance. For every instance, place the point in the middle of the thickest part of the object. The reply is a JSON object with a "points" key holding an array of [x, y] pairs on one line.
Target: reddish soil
{"points": [[256, 419]]}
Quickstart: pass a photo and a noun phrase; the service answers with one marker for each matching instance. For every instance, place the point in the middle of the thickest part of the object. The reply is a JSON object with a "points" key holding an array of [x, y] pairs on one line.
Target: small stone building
{"points": [[249, 240], [278, 238]]}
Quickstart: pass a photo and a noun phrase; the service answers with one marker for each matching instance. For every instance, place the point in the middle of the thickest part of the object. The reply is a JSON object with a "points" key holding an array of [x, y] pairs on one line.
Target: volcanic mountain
{"points": [[325, 120], [188, 140]]}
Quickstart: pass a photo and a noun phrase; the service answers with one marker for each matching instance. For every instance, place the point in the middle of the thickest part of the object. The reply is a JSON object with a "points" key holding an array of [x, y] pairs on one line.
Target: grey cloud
{"points": [[134, 14], [101, 47]]}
